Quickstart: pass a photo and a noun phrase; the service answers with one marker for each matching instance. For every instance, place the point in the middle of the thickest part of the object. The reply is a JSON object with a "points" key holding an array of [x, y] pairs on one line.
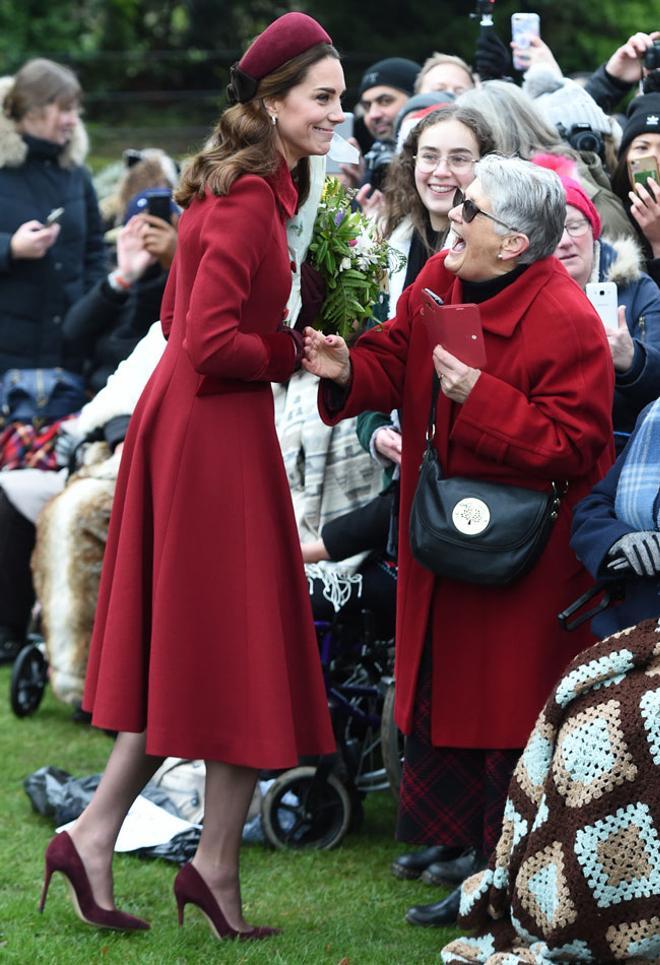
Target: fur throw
{"points": [[575, 876], [13, 149]]}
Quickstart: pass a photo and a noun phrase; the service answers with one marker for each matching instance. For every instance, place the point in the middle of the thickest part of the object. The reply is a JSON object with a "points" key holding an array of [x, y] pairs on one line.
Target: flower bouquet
{"points": [[352, 258]]}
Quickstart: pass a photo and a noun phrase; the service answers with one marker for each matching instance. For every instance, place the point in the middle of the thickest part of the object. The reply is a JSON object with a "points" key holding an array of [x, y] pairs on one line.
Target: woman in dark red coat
{"points": [[204, 644], [539, 411]]}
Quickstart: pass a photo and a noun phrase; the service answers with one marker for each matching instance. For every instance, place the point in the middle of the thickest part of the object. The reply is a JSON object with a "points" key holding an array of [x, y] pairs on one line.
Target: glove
{"points": [[492, 59], [66, 444], [637, 551]]}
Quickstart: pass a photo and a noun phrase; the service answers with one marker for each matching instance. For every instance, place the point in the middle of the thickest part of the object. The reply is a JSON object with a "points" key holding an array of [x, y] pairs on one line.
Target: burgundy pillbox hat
{"points": [[285, 38]]}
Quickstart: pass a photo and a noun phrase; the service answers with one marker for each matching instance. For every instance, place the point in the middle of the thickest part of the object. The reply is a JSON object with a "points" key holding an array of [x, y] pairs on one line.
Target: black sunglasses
{"points": [[471, 210]]}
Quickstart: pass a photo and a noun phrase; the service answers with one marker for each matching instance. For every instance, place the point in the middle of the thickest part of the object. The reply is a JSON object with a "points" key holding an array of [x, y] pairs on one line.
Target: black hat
{"points": [[643, 118], [394, 72]]}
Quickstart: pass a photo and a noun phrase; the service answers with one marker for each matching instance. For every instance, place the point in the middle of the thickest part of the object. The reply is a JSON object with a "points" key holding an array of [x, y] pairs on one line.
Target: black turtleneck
{"points": [[480, 291], [40, 148]]}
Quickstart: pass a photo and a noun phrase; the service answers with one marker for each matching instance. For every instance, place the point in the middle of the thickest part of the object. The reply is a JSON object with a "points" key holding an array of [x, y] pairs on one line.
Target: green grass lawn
{"points": [[339, 907]]}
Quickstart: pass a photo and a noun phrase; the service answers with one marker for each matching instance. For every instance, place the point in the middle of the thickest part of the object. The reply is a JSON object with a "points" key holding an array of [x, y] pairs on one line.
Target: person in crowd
{"points": [[112, 318], [467, 690], [444, 72], [71, 529], [44, 267], [616, 529], [574, 875], [384, 89], [140, 169], [641, 138], [519, 128], [201, 472], [635, 344]]}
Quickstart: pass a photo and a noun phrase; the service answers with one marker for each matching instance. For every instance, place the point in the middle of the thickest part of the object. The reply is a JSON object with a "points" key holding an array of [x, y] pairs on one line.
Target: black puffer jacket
{"points": [[36, 294]]}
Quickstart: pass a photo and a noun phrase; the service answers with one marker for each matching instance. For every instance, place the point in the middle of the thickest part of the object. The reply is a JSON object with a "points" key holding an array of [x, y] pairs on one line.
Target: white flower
{"points": [[345, 264]]}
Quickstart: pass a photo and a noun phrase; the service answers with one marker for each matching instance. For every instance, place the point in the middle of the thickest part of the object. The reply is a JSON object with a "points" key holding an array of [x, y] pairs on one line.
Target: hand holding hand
{"points": [[133, 259], [645, 209], [637, 551], [625, 62], [621, 343], [32, 239], [327, 356], [387, 442], [456, 378]]}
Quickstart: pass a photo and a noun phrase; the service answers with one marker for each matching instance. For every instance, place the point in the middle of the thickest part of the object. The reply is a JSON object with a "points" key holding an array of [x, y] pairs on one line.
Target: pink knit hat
{"points": [[578, 198]]}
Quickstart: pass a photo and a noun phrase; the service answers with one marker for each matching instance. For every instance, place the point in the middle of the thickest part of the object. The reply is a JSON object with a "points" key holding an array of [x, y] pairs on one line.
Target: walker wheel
{"points": [[29, 676], [391, 743], [303, 810]]}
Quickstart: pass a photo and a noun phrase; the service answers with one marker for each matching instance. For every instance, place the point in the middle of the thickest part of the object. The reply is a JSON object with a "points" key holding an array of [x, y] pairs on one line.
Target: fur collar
{"points": [[13, 149], [618, 260]]}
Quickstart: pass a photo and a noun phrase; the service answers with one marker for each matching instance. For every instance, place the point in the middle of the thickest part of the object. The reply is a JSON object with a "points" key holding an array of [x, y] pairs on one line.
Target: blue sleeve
{"points": [[641, 384]]}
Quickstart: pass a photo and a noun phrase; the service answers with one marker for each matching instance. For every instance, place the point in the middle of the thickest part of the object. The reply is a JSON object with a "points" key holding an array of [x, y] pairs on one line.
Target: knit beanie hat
{"points": [[577, 198], [643, 118], [393, 72], [434, 98], [563, 102], [285, 38]]}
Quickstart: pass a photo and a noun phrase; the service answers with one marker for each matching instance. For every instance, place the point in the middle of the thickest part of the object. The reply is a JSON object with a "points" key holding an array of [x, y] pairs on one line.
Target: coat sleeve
{"points": [[95, 251], [235, 237], [561, 424], [642, 303]]}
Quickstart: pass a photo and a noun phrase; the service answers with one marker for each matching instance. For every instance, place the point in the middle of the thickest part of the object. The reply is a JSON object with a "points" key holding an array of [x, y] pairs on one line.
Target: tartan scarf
{"points": [[22, 446], [637, 500]]}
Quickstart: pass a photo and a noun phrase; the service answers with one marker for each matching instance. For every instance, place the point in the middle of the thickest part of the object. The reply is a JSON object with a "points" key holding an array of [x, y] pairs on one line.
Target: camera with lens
{"points": [[376, 161], [652, 56], [583, 138]]}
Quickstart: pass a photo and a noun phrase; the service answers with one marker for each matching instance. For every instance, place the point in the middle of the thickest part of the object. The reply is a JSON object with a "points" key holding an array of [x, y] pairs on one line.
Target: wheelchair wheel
{"points": [[391, 742], [28, 680], [301, 811]]}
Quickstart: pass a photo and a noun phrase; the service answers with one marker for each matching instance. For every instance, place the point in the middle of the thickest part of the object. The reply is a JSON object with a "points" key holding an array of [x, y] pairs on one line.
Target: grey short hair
{"points": [[516, 121], [529, 198]]}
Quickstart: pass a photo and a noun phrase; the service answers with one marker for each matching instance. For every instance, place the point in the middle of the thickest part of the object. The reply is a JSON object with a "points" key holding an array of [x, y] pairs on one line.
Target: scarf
{"points": [[637, 500]]}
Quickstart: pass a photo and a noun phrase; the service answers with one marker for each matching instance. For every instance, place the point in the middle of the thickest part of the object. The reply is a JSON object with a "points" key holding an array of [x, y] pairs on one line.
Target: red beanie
{"points": [[578, 198], [285, 38]]}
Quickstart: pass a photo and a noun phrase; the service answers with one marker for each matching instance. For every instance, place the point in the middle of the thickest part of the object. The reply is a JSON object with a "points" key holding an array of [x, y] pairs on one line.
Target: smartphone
{"points": [[640, 169], [524, 26], [604, 296], [159, 203], [345, 130], [54, 216], [456, 327]]}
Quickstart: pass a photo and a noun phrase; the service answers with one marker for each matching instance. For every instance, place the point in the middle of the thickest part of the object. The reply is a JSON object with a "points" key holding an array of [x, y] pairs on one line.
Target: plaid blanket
{"points": [[22, 446], [575, 876], [637, 499]]}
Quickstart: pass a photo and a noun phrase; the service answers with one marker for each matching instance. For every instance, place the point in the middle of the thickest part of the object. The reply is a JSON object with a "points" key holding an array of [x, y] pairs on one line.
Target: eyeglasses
{"points": [[471, 210], [575, 229], [427, 162]]}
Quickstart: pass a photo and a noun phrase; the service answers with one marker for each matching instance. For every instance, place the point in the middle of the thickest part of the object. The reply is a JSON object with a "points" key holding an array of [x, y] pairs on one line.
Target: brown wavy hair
{"points": [[38, 83], [243, 141], [402, 199]]}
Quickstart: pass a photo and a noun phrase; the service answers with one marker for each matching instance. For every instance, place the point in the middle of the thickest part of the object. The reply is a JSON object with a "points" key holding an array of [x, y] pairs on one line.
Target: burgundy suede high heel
{"points": [[61, 855], [190, 888]]}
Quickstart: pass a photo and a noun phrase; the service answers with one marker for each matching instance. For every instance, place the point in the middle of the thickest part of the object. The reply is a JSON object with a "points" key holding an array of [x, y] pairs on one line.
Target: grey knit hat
{"points": [[563, 101]]}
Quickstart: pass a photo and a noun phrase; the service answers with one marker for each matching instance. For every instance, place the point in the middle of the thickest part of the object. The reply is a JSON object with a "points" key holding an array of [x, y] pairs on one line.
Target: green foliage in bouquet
{"points": [[353, 259]]}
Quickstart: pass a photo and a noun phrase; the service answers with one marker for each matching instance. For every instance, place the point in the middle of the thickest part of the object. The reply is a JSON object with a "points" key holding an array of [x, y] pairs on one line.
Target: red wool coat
{"points": [[540, 411], [204, 631]]}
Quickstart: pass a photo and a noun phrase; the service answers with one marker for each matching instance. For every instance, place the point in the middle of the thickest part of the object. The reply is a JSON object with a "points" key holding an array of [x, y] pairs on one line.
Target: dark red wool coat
{"points": [[540, 411], [204, 631]]}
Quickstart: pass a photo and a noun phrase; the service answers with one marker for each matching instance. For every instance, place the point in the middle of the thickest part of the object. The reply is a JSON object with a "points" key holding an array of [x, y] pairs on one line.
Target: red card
{"points": [[457, 328]]}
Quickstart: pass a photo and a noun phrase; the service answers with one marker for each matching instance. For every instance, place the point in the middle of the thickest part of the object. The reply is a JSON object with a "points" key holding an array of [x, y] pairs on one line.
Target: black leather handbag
{"points": [[477, 531]]}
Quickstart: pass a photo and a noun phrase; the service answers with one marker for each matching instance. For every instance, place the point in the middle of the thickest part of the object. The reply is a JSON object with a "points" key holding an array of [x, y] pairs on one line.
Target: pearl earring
{"points": [[273, 118]]}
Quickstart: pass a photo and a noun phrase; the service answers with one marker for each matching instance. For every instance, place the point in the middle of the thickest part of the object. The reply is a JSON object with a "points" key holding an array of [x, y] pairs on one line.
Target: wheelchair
{"points": [[316, 804]]}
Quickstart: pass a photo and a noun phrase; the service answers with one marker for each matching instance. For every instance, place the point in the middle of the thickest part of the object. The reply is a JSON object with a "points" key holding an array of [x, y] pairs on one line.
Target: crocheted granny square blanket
{"points": [[575, 876]]}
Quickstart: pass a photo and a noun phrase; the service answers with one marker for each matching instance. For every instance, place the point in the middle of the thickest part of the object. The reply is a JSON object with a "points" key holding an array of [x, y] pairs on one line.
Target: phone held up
{"points": [[54, 216], [158, 203], [524, 26], [640, 169], [603, 296]]}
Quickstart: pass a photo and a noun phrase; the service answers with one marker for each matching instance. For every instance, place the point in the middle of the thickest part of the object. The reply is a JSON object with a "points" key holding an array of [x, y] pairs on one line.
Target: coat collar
{"points": [[284, 189], [14, 149], [502, 313]]}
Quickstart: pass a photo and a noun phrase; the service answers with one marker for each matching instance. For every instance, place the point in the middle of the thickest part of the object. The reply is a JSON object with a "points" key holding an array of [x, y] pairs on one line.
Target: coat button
{"points": [[57, 319], [58, 266]]}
